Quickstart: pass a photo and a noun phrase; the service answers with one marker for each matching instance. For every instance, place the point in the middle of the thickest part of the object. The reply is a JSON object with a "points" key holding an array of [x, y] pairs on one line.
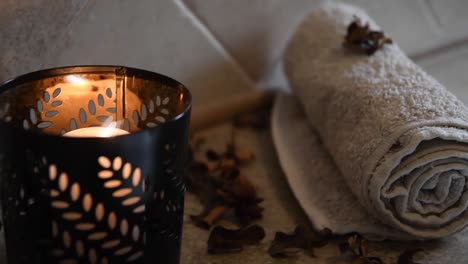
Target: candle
{"points": [[99, 132]]}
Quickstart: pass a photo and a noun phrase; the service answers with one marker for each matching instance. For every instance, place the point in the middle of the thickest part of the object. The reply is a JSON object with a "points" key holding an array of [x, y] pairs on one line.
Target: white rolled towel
{"points": [[398, 138]]}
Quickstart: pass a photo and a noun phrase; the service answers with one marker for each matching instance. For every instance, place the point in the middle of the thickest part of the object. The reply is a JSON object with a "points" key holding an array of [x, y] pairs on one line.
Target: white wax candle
{"points": [[100, 132]]}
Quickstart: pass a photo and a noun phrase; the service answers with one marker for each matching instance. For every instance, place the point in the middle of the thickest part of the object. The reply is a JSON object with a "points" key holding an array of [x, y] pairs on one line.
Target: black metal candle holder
{"points": [[98, 199]]}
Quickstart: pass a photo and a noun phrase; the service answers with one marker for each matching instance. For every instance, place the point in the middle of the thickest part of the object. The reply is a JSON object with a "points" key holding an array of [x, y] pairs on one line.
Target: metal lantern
{"points": [[92, 164]]}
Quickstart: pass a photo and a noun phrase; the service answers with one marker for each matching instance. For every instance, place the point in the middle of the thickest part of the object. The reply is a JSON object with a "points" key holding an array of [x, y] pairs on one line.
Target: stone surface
{"points": [[153, 35]]}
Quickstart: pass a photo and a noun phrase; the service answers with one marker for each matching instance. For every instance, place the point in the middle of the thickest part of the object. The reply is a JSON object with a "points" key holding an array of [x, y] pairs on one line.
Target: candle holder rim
{"points": [[83, 69]]}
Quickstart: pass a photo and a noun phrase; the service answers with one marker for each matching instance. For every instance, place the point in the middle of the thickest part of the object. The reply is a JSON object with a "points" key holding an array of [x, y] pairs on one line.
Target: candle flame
{"points": [[109, 127]]}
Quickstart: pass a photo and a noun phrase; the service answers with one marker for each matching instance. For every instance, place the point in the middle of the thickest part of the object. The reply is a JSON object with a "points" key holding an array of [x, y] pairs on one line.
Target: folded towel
{"points": [[397, 137]]}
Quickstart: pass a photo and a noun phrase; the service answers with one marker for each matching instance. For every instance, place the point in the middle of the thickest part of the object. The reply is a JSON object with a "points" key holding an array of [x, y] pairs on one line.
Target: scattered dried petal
{"points": [[243, 155], [407, 256], [361, 39], [224, 240], [199, 221], [356, 250], [303, 238], [220, 187], [210, 218], [212, 155], [227, 164]]}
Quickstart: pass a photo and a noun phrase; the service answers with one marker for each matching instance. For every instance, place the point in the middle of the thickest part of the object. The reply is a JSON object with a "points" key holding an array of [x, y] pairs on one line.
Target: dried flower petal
{"points": [[356, 250], [361, 39], [224, 240], [243, 155], [303, 238], [220, 187], [205, 221], [212, 155], [407, 256]]}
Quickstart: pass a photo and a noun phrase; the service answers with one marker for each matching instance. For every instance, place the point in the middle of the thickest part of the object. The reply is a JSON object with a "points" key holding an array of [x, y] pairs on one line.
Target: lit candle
{"points": [[100, 132]]}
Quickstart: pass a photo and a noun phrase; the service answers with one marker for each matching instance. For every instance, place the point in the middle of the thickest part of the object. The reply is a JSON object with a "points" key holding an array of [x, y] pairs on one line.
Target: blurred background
{"points": [[216, 47]]}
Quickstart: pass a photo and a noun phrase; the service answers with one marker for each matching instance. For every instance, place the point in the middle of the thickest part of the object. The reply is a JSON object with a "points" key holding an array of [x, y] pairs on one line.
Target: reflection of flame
{"points": [[74, 79], [109, 128], [78, 84]]}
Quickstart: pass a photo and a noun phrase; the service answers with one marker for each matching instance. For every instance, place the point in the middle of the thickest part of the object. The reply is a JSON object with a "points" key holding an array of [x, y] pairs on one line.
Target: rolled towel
{"points": [[398, 138]]}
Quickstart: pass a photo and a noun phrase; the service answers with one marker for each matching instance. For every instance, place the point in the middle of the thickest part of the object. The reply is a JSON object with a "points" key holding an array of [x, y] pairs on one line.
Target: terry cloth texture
{"points": [[394, 135]]}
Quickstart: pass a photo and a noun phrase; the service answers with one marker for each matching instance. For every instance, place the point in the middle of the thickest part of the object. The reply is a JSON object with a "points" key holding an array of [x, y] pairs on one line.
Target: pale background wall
{"points": [[216, 47]]}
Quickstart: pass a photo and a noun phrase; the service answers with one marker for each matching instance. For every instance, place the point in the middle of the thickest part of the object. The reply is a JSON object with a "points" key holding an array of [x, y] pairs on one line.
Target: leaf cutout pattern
{"points": [[104, 162], [124, 227], [135, 256], [87, 202], [99, 212], [105, 174], [122, 192], [117, 164], [112, 220], [63, 182], [127, 170], [85, 226], [112, 184], [87, 215], [97, 236], [56, 92], [75, 192], [46, 110], [60, 204], [72, 216], [123, 251], [80, 249], [52, 172], [54, 193], [111, 244]]}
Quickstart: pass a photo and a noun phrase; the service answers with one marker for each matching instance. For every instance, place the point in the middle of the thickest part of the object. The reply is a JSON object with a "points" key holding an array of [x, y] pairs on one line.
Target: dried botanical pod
{"points": [[199, 221], [227, 163], [215, 214], [360, 39], [212, 155], [243, 155], [224, 240], [213, 165], [241, 194], [407, 256], [220, 187], [303, 238], [356, 250]]}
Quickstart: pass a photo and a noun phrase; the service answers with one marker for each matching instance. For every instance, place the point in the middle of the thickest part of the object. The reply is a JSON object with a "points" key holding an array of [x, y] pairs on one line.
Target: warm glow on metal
{"points": [[74, 79], [108, 129]]}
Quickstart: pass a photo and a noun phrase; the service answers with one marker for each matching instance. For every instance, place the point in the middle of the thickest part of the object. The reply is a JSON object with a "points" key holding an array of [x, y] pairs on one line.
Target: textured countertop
{"points": [[282, 213]]}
